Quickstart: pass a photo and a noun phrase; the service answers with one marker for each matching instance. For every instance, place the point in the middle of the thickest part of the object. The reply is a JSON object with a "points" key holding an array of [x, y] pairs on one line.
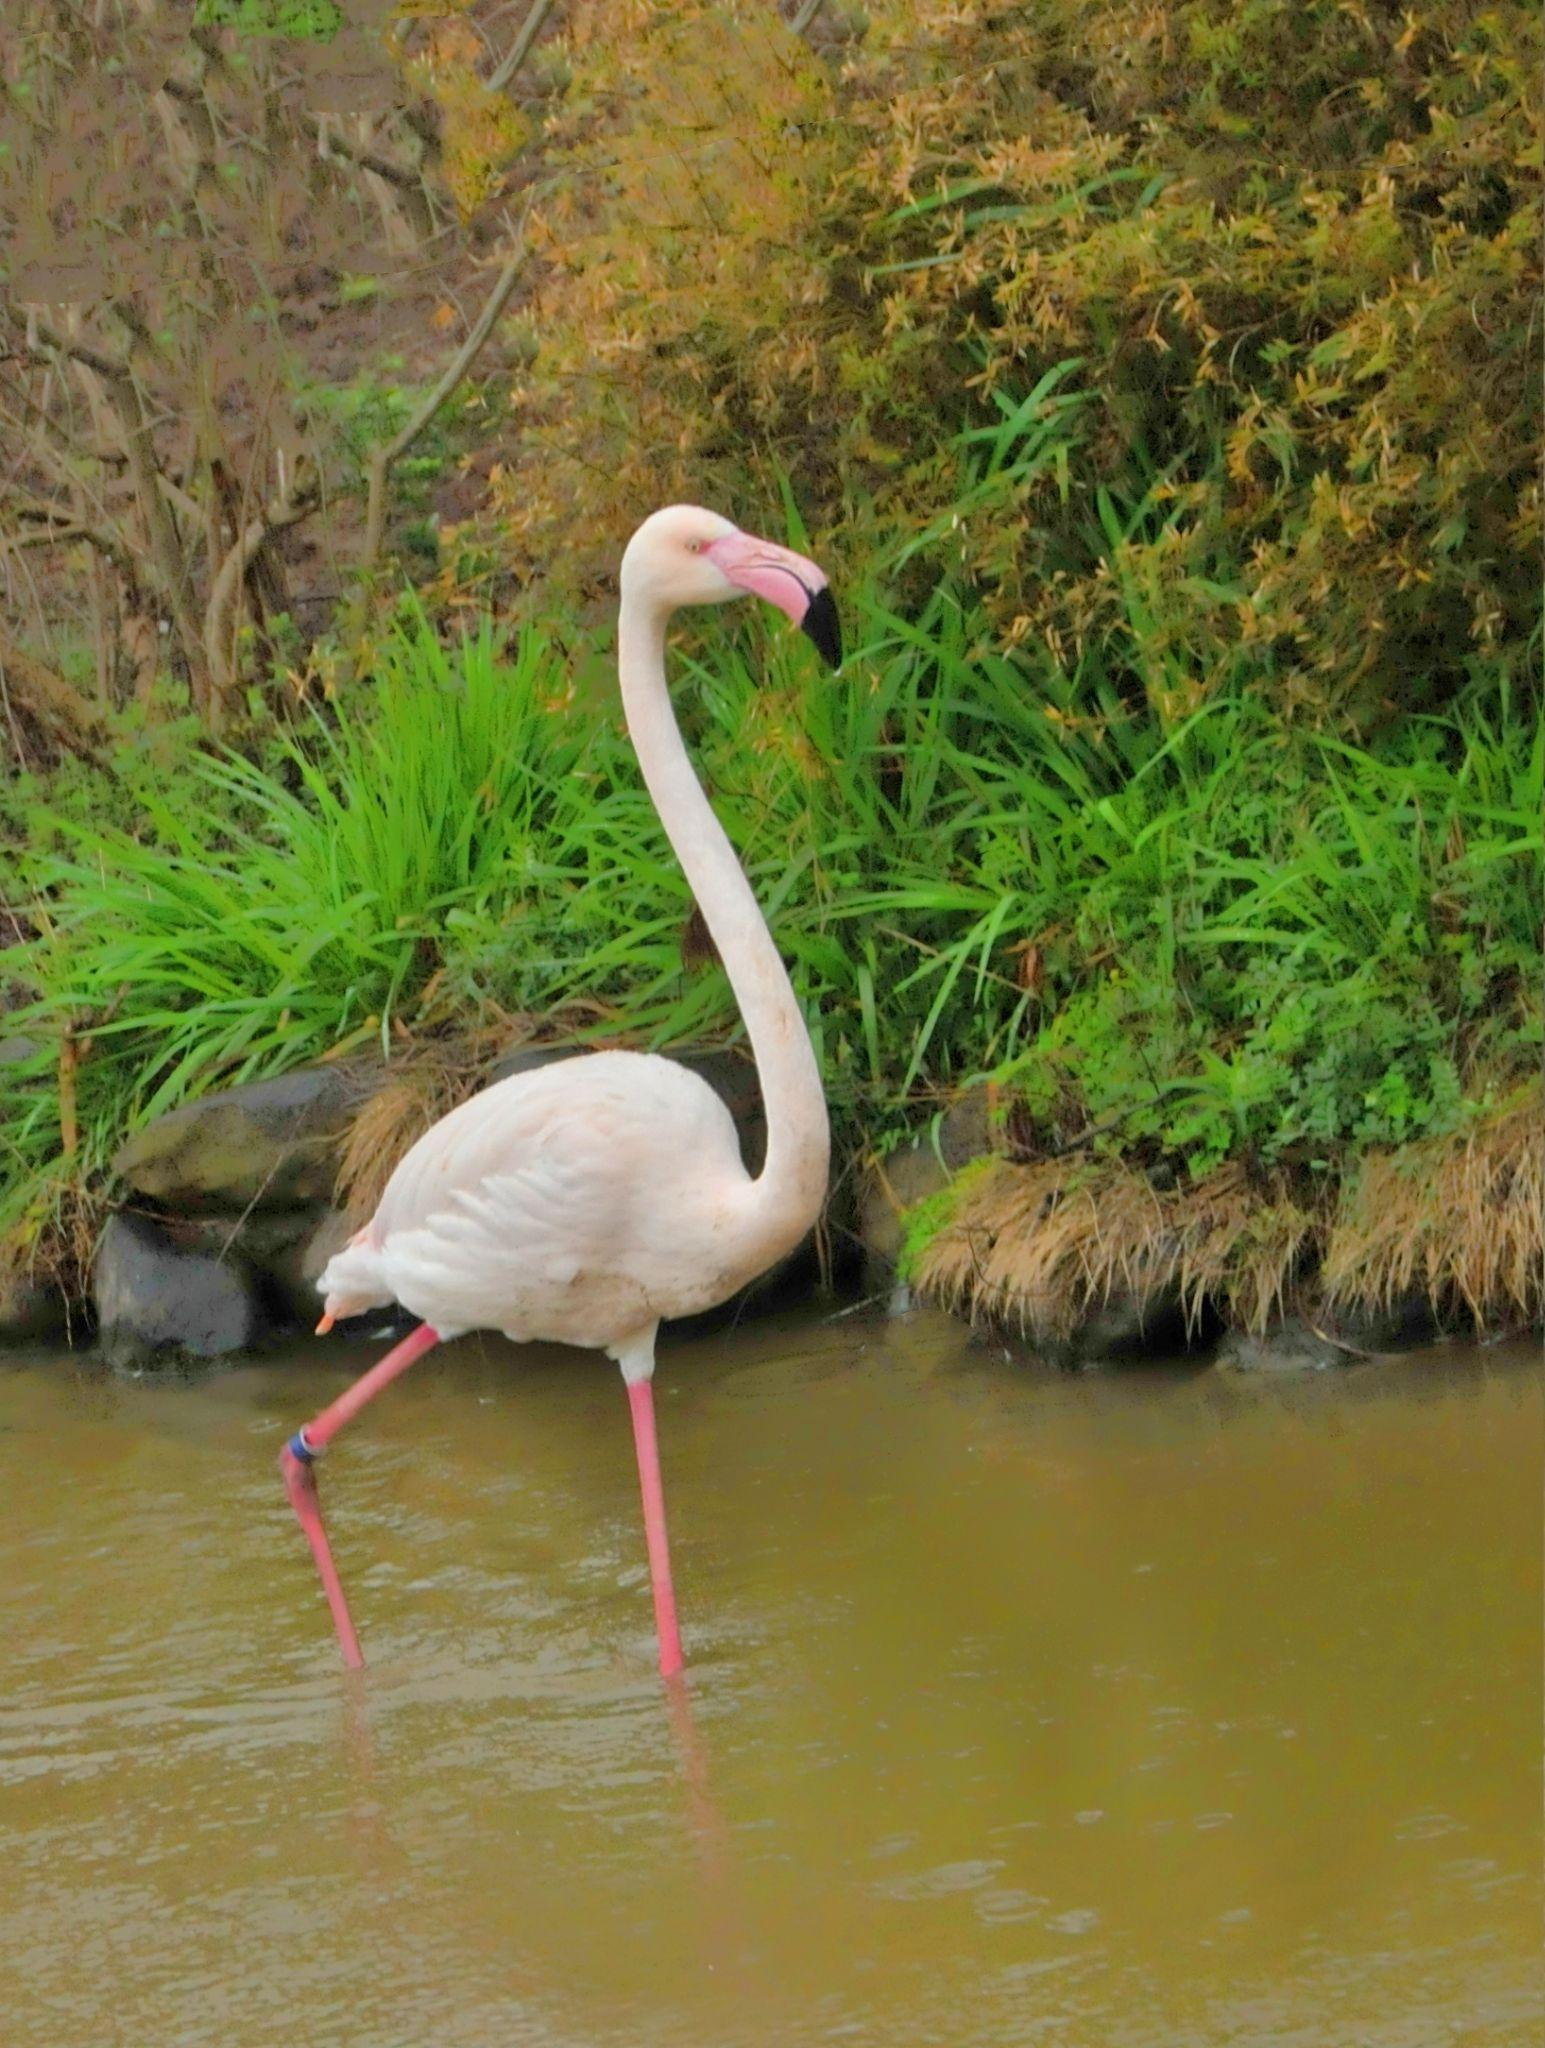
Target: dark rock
{"points": [[156, 1297], [284, 1251], [30, 1311], [890, 1186], [258, 1238], [1404, 1324], [291, 1272], [887, 1188], [1289, 1346], [526, 1059], [266, 1145], [733, 1079], [272, 1245], [1126, 1326]]}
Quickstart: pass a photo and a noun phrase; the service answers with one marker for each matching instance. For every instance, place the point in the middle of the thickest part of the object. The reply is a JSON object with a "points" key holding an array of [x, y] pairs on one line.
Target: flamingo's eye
{"points": [[694, 547]]}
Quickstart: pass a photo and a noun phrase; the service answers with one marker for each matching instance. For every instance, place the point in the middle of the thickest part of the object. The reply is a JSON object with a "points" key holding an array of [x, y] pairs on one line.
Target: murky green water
{"points": [[1154, 1708]]}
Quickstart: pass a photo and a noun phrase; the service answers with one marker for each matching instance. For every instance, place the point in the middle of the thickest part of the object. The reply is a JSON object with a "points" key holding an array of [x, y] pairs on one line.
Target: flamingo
{"points": [[585, 1202]]}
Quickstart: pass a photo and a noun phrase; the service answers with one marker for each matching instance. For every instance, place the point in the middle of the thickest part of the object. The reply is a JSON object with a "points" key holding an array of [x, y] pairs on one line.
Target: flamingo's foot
{"points": [[296, 1463]]}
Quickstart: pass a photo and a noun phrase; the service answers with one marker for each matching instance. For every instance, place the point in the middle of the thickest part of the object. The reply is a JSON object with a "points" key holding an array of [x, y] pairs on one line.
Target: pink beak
{"points": [[792, 582]]}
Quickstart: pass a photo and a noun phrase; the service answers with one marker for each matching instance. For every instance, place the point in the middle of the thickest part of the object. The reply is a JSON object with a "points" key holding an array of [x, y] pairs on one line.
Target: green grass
{"points": [[1193, 938]]}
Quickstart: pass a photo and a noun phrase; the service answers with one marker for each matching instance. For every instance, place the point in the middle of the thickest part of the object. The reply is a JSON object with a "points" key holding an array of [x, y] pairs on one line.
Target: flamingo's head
{"points": [[684, 555]]}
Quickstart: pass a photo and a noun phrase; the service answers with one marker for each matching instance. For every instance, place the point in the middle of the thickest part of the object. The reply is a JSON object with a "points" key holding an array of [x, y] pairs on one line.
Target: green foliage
{"points": [[1221, 936], [310, 21], [923, 1221], [367, 410], [1288, 948], [1295, 246]]}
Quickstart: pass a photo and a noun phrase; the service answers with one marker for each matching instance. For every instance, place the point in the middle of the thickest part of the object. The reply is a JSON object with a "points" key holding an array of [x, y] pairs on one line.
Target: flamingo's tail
{"points": [[353, 1281]]}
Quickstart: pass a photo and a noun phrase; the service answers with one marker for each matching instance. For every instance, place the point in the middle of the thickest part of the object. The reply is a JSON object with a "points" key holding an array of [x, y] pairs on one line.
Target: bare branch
{"points": [[808, 11], [166, 553], [520, 49], [124, 400], [47, 438], [220, 611], [384, 456], [176, 495], [58, 528], [335, 143], [43, 344]]}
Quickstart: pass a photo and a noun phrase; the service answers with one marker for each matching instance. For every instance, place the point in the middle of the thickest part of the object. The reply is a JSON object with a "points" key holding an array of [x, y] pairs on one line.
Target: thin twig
{"points": [[854, 1308], [222, 595], [335, 143], [520, 49], [39, 339], [58, 529], [807, 13], [383, 457], [44, 343]]}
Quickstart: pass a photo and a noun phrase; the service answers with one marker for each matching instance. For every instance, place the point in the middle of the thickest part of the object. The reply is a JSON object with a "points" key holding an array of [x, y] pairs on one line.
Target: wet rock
{"points": [[30, 1311], [266, 1145], [527, 1059], [283, 1250], [890, 1186], [1289, 1346], [157, 1298], [733, 1079], [292, 1271], [1126, 1326], [257, 1238]]}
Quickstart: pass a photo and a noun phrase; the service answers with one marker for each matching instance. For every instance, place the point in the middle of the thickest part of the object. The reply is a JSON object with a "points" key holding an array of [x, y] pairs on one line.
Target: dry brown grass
{"points": [[1460, 1218], [1043, 1245], [53, 1246]]}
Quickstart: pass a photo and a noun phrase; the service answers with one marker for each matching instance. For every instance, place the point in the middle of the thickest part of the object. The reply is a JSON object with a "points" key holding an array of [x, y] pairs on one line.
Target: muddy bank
{"points": [[227, 1209], [1440, 1238]]}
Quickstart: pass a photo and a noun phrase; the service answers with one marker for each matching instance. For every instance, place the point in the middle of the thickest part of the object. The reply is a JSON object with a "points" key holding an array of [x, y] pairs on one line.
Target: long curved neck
{"points": [[792, 1184]]}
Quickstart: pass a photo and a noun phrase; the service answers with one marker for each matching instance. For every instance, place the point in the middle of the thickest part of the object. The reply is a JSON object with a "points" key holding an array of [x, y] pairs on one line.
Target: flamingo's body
{"points": [[587, 1201], [582, 1203]]}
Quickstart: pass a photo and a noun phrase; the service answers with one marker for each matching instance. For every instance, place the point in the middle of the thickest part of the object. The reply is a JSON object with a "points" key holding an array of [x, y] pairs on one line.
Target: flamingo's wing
{"points": [[545, 1203]]}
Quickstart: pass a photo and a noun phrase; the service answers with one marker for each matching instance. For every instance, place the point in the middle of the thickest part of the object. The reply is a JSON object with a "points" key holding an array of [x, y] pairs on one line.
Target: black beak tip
{"points": [[821, 623]]}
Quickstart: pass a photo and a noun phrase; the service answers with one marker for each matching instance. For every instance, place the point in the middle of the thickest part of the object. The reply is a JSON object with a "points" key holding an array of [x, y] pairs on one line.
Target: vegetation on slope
{"points": [[1219, 941], [1161, 385]]}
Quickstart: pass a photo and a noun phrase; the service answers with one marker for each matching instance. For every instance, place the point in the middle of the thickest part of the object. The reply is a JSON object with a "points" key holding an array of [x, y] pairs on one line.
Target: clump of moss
{"points": [[925, 1221]]}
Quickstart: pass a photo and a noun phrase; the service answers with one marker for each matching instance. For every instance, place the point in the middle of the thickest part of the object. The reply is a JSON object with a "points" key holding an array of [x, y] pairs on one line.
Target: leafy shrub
{"points": [[1232, 937], [1296, 247]]}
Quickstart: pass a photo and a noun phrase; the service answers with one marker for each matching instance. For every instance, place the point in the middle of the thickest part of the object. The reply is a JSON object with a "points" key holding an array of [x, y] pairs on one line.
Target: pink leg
{"points": [[300, 1453], [641, 1401]]}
